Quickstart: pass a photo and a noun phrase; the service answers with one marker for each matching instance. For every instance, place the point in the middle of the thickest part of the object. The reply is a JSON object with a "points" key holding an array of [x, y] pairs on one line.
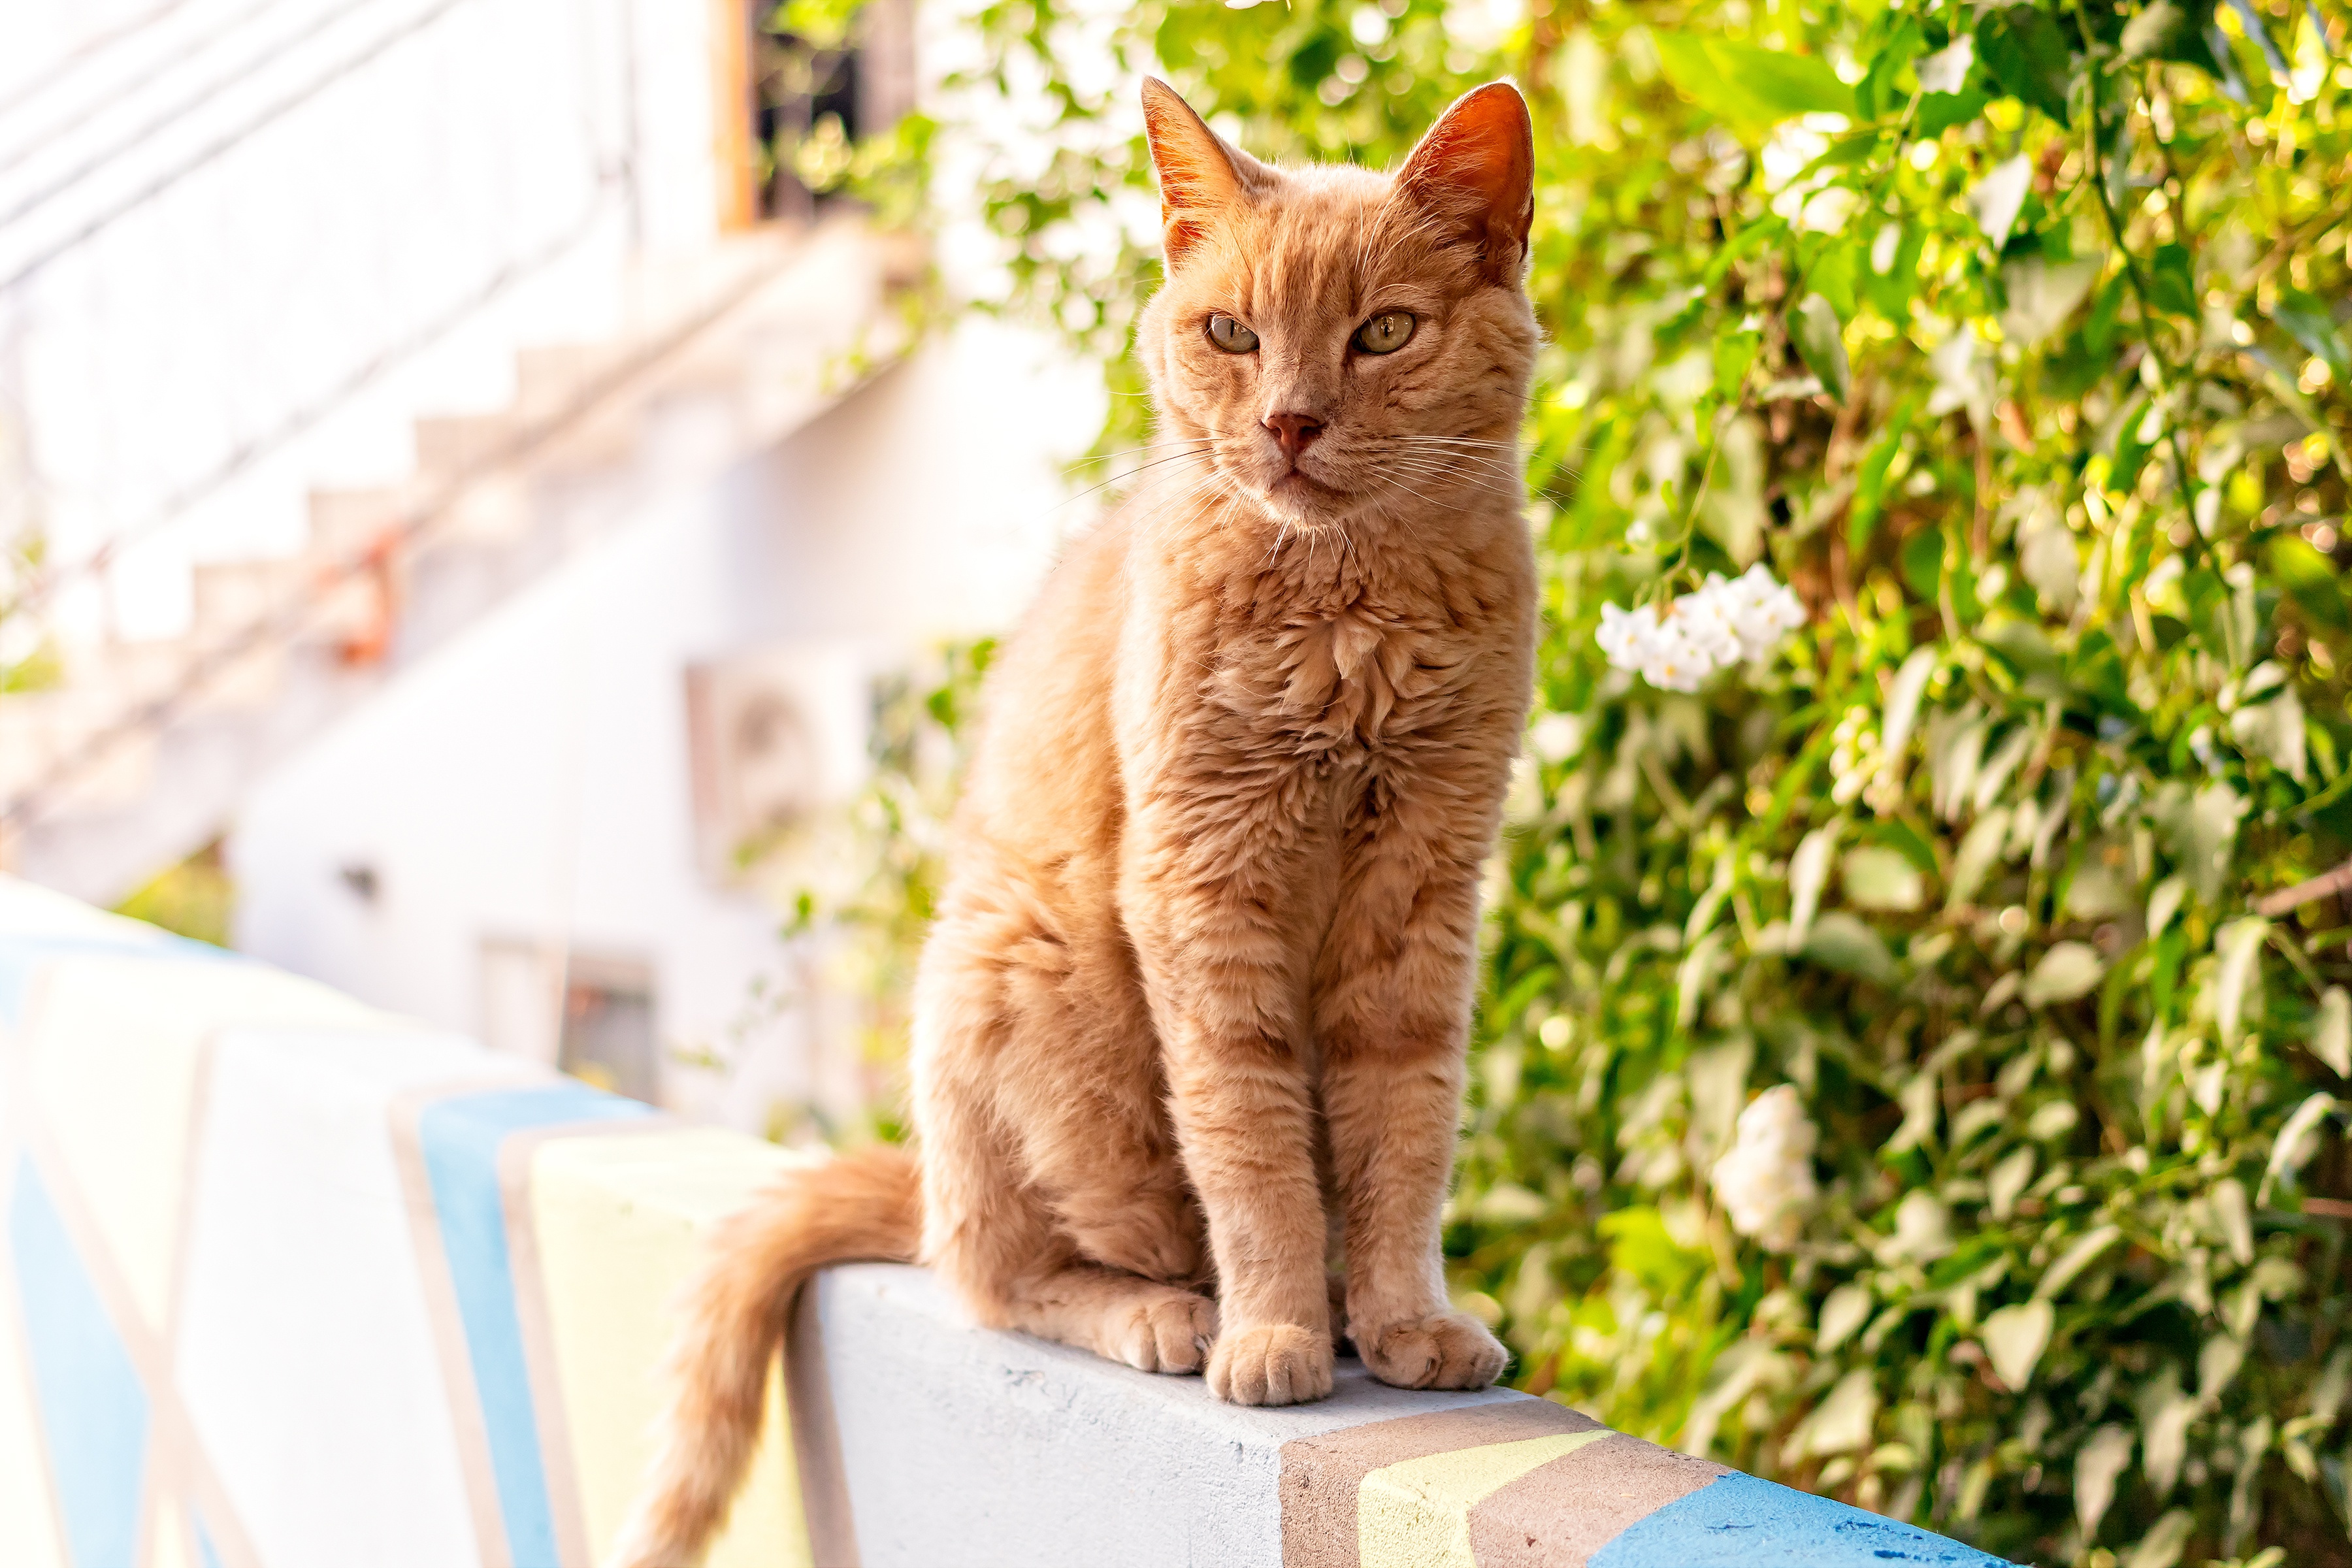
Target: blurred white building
{"points": [[472, 483]]}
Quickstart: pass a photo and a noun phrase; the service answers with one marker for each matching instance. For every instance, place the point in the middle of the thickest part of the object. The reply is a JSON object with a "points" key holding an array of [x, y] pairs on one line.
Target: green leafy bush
{"points": [[2015, 337]]}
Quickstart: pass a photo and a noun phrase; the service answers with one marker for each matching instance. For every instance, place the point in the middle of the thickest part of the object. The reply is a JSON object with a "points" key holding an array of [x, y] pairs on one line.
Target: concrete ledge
{"points": [[290, 1283], [961, 1447]]}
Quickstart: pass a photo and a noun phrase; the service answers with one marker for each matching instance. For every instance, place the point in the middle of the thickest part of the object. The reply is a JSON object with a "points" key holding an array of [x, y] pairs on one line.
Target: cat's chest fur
{"points": [[1341, 668]]}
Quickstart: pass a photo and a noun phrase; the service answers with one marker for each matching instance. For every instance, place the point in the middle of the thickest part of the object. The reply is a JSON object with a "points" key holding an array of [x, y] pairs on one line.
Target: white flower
{"points": [[1622, 631], [1718, 624], [1791, 149], [1703, 619], [1766, 1179], [1674, 665], [1946, 70], [1762, 610], [1557, 737], [1827, 211]]}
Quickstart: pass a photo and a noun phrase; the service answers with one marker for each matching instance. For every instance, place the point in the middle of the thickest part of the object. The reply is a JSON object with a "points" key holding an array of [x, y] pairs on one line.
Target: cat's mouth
{"points": [[1298, 487]]}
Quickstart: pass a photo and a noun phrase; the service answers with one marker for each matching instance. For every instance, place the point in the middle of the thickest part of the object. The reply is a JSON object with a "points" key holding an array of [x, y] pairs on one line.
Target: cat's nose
{"points": [[1293, 433]]}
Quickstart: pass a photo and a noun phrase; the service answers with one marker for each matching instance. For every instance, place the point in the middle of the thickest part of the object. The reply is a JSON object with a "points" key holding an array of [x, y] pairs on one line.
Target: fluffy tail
{"points": [[862, 1206]]}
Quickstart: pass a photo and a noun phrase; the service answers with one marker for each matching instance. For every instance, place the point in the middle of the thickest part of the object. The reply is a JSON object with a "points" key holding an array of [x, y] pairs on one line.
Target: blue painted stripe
{"points": [[460, 1139], [207, 1555], [21, 958], [93, 1407], [1739, 1521]]}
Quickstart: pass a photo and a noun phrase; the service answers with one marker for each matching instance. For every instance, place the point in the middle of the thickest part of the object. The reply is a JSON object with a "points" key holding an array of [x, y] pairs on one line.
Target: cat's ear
{"points": [[1201, 173], [1475, 171]]}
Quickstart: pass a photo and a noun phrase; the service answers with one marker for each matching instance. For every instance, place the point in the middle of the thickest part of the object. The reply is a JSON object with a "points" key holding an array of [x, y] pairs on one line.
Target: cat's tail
{"points": [[864, 1206]]}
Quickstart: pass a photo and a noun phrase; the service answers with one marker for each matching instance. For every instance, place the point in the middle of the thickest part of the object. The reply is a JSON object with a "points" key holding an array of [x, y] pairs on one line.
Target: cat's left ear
{"points": [[1475, 171], [1201, 172]]}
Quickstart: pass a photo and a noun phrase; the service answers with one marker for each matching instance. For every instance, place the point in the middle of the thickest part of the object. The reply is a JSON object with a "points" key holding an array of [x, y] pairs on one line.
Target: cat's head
{"points": [[1342, 345]]}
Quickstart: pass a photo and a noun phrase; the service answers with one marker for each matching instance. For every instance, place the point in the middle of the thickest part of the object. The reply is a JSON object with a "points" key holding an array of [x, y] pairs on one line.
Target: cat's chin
{"points": [[1304, 501]]}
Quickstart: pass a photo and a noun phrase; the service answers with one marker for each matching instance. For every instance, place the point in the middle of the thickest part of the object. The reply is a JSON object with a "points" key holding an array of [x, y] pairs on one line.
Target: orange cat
{"points": [[1190, 1025]]}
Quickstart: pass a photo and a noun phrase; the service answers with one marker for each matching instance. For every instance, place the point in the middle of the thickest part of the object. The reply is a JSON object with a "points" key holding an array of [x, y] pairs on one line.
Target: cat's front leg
{"points": [[1392, 997], [1215, 918]]}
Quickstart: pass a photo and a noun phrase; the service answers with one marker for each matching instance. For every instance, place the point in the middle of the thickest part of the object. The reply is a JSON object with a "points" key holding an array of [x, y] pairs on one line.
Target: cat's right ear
{"points": [[1201, 173], [1474, 172]]}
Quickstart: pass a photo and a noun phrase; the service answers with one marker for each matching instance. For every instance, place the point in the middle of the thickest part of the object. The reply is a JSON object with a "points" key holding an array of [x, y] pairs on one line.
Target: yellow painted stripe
{"points": [[1417, 1514], [172, 1548], [618, 1222]]}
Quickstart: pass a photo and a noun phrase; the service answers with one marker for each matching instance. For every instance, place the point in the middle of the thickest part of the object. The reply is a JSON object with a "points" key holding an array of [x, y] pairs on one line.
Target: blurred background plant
{"points": [[2016, 339], [861, 882]]}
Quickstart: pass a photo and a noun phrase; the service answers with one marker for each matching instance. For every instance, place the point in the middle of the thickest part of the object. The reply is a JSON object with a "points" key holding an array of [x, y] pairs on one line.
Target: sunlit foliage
{"points": [[2016, 338]]}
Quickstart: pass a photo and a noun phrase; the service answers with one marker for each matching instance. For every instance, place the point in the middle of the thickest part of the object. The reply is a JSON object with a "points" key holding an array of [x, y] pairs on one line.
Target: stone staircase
{"points": [[141, 754]]}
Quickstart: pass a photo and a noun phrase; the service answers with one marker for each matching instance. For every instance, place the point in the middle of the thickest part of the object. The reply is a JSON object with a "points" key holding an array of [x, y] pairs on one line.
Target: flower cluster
{"points": [[1699, 633], [1766, 1179]]}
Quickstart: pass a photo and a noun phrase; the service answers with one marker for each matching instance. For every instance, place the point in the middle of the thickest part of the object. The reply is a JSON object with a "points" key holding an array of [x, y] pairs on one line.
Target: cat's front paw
{"points": [[1273, 1363], [1170, 1333], [1444, 1350]]}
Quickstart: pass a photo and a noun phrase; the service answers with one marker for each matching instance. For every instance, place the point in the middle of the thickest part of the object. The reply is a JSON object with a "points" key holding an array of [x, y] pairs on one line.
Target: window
{"points": [[802, 102], [590, 1015], [608, 1027]]}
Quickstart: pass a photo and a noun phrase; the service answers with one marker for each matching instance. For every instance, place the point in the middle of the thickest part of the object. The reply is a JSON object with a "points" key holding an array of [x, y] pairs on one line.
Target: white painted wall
{"points": [[529, 781]]}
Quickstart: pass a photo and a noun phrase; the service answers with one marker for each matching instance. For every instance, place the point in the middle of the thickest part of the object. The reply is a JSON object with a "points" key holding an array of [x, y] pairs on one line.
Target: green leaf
{"points": [[2077, 1259], [1877, 94], [2069, 971], [1840, 941], [1882, 879], [2014, 1339], [2239, 980], [2097, 669], [1923, 563], [1316, 53], [2311, 580], [1751, 88], [1940, 111], [1890, 292], [2028, 56], [1903, 697], [2309, 322], [1641, 1247], [1789, 84], [2154, 31], [1870, 480], [1734, 352], [2296, 1141], [2106, 312], [1809, 872], [1846, 1308], [1834, 275], [2097, 1464], [821, 24], [1820, 343], [2331, 1032], [2172, 285]]}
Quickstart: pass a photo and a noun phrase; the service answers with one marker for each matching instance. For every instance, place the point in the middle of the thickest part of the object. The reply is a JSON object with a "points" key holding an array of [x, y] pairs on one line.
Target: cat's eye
{"points": [[1231, 335], [1386, 333]]}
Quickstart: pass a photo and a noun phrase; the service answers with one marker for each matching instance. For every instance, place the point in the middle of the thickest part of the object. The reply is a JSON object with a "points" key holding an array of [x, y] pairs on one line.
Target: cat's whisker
{"points": [[1399, 484], [1500, 489], [1115, 479], [1199, 441]]}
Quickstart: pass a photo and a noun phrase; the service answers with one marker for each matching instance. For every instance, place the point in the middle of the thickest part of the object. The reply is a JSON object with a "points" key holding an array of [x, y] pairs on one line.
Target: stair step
{"points": [[347, 523], [451, 446], [393, 570], [232, 596]]}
